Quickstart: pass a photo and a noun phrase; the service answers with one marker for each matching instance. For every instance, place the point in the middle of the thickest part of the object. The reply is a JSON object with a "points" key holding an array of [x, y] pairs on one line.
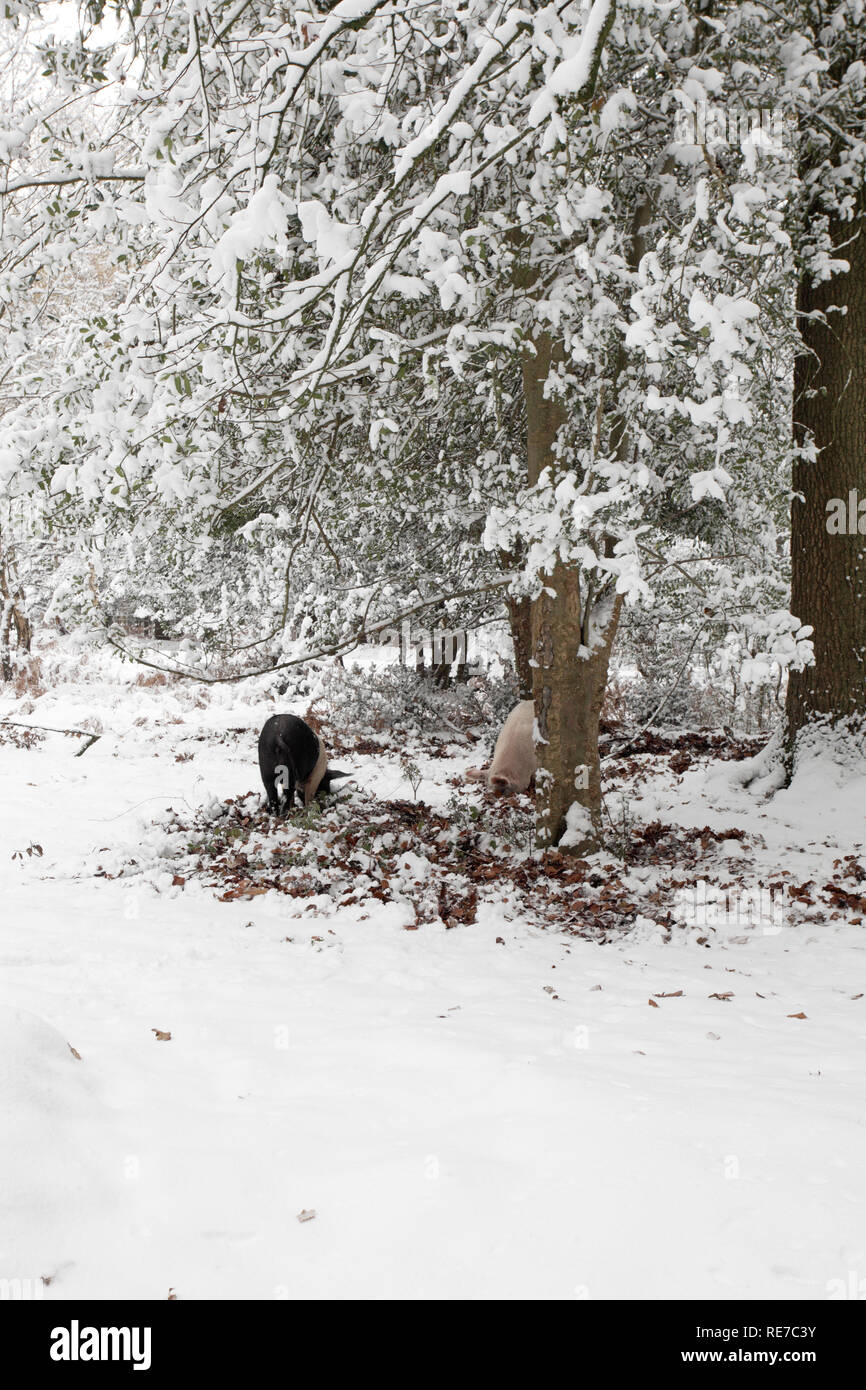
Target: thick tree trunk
{"points": [[572, 635], [571, 644], [828, 566], [570, 682]]}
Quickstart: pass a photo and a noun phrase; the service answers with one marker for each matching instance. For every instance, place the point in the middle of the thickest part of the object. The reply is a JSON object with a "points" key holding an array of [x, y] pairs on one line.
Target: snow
{"points": [[492, 1111], [571, 74], [261, 223], [613, 109], [709, 483], [578, 823], [490, 52]]}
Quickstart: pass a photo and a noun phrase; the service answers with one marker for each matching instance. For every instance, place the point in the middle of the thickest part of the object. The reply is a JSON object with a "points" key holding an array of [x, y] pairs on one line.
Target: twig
{"points": [[49, 729]]}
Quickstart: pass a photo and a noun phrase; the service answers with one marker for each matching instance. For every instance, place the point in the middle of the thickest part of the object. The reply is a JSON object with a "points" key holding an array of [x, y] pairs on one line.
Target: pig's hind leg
{"points": [[272, 791]]}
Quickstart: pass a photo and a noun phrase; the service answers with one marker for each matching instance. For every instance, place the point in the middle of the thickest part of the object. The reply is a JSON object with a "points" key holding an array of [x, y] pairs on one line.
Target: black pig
{"points": [[286, 742]]}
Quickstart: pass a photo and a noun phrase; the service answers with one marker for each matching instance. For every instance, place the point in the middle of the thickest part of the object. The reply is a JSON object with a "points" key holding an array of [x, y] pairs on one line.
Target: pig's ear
{"points": [[474, 774]]}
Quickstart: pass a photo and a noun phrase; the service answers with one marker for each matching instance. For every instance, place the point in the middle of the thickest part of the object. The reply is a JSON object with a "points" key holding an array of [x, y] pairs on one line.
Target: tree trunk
{"points": [[520, 622], [14, 618], [570, 682], [828, 544], [571, 645], [568, 676]]}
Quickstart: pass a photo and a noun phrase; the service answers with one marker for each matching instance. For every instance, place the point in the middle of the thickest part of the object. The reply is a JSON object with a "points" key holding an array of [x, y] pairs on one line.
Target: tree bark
{"points": [[520, 622], [828, 567], [570, 683], [572, 638]]}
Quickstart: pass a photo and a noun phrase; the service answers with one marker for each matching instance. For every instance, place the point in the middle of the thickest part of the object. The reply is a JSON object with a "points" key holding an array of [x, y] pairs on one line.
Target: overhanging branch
{"points": [[360, 635]]}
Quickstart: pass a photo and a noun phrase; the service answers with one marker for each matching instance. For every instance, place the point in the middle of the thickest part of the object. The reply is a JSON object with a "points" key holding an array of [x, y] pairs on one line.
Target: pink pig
{"points": [[514, 761]]}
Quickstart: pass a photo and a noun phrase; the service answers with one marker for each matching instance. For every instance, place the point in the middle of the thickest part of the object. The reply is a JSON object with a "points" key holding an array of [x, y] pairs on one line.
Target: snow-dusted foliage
{"points": [[327, 242]]}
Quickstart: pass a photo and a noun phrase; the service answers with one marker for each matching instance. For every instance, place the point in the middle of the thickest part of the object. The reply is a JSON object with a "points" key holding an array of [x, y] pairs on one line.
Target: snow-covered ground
{"points": [[494, 1110]]}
